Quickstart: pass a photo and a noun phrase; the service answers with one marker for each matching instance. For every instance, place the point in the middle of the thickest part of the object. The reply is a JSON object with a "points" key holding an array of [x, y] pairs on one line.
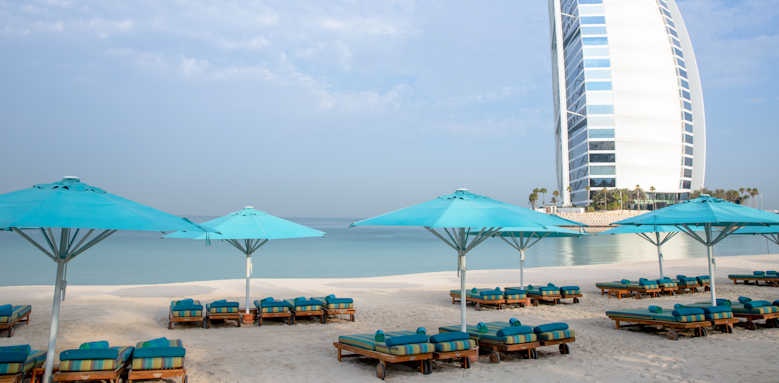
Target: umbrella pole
{"points": [[248, 280], [55, 313], [711, 276], [660, 259], [463, 299], [522, 268]]}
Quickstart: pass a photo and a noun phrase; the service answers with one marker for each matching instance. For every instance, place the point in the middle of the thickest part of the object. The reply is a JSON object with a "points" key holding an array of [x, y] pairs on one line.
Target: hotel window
{"points": [[601, 133], [687, 161], [685, 94], [593, 31], [687, 173], [593, 20], [601, 85], [678, 52], [687, 116], [686, 105], [681, 63], [688, 127], [686, 184], [602, 157], [595, 40], [602, 182], [685, 84], [670, 22], [590, 1], [688, 138], [601, 145], [597, 63], [600, 109], [602, 170], [688, 150], [682, 72], [672, 32]]}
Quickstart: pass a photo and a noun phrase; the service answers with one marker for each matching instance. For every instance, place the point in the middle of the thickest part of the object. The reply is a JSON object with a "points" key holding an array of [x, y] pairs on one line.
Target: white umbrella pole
{"points": [[248, 281], [55, 313], [711, 276], [660, 259], [522, 268], [462, 293]]}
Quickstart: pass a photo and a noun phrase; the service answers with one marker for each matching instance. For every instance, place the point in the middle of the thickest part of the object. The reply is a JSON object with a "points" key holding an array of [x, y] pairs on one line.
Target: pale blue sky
{"points": [[333, 108]]}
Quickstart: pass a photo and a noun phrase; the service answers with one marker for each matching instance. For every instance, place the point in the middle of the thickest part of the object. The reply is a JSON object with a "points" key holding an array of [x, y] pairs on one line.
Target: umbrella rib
{"points": [[94, 241], [259, 245], [668, 237], [483, 236], [36, 244], [725, 232], [772, 237], [73, 238], [441, 237], [237, 245], [647, 237], [538, 238], [48, 235], [84, 238], [686, 229], [452, 237], [512, 243]]}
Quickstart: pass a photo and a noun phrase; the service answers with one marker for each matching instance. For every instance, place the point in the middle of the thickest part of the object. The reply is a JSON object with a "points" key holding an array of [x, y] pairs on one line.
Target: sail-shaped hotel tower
{"points": [[627, 98]]}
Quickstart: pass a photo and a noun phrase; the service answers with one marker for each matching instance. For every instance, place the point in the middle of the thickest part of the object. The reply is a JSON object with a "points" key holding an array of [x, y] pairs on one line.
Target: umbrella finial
{"points": [[248, 207], [72, 178]]}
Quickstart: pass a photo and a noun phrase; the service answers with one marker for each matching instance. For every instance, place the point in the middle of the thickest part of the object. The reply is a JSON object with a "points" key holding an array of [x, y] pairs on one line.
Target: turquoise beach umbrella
{"points": [[655, 234], [523, 238], [717, 219], [770, 233], [247, 230], [463, 220], [84, 215]]}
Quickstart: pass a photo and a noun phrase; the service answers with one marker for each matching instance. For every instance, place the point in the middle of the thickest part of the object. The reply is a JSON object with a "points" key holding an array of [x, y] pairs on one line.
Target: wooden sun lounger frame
{"points": [[236, 316], [174, 319], [15, 378], [112, 376], [575, 296], [351, 312], [10, 325], [671, 290], [285, 314], [179, 374], [672, 328], [478, 302], [495, 348], [464, 357], [769, 281], [616, 292], [425, 365], [522, 302], [638, 290], [311, 313], [562, 344], [551, 298], [771, 319]]}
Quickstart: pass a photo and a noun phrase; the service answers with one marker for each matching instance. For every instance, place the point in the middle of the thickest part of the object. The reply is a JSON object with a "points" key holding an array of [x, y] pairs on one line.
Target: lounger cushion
{"points": [[405, 339], [548, 327], [684, 311], [754, 304], [555, 335], [88, 354], [271, 303], [655, 309], [14, 354], [223, 303], [94, 362], [302, 301], [569, 288], [186, 304], [94, 345], [625, 281], [723, 302], [34, 359], [448, 337], [776, 302], [514, 322], [744, 299], [455, 345], [159, 352], [6, 310], [758, 273], [514, 330], [332, 299], [716, 309]]}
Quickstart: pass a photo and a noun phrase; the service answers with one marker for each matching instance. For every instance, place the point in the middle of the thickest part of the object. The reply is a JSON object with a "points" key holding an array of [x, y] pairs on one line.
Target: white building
{"points": [[627, 97]]}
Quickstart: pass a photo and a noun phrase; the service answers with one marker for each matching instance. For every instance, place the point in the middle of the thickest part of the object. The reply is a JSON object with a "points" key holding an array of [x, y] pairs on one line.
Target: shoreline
{"points": [[126, 314]]}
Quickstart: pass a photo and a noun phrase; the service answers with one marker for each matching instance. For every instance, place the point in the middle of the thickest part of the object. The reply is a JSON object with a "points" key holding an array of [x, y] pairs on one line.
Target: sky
{"points": [[337, 108]]}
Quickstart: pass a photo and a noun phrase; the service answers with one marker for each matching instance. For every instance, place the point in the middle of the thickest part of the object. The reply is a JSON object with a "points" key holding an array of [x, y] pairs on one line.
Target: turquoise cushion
{"points": [[405, 339], [569, 288], [515, 322], [744, 299], [752, 304], [448, 337], [682, 311], [94, 345], [717, 309], [655, 309], [723, 302], [156, 342], [14, 354], [271, 303], [90, 354], [6, 310], [159, 352], [776, 302], [333, 299], [302, 301], [759, 273], [223, 303], [554, 326], [625, 281], [515, 330]]}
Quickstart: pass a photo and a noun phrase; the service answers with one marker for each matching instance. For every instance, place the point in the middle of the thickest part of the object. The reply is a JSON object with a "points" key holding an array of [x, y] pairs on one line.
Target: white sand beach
{"points": [[304, 352]]}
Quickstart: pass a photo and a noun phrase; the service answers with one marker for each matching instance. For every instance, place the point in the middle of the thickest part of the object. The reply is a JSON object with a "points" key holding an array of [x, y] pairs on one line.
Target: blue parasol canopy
{"points": [[770, 233], [247, 230], [717, 219], [463, 220], [84, 215]]}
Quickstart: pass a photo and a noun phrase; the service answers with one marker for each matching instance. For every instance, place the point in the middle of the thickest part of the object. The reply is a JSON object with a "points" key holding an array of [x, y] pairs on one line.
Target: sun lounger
{"points": [[307, 307], [556, 333], [157, 359], [273, 308], [389, 347], [704, 281], [516, 296], [672, 321], [668, 285], [687, 284], [549, 293], [721, 316], [335, 306], [571, 292], [17, 362], [185, 311], [753, 310], [500, 338], [222, 310], [644, 287], [93, 361], [11, 315], [457, 346], [770, 278], [616, 289], [481, 297]]}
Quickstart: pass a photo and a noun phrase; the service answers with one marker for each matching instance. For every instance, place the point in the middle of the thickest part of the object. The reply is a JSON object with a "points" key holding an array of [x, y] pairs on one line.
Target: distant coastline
{"points": [[600, 220]]}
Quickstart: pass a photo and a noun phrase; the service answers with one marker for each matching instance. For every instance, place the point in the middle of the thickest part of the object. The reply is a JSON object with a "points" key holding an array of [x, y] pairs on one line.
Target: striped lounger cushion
{"points": [[97, 364], [367, 342], [492, 333], [307, 308], [168, 357], [455, 345], [18, 312], [34, 359], [554, 335], [276, 309], [720, 315], [516, 296], [740, 309], [486, 294], [333, 306], [222, 310], [187, 313]]}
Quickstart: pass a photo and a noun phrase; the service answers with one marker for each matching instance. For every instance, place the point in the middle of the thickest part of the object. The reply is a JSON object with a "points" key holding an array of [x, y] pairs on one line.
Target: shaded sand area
{"points": [[304, 352]]}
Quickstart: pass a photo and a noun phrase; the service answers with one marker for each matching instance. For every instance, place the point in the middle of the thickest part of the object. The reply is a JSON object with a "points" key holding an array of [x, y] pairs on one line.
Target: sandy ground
{"points": [[304, 352]]}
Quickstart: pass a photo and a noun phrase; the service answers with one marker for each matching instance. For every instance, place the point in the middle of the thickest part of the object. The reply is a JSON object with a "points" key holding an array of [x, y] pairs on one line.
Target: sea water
{"points": [[143, 257]]}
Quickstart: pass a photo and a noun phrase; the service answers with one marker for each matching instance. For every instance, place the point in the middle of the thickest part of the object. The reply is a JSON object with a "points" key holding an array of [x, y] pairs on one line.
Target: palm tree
{"points": [[532, 198], [543, 195], [638, 194], [754, 193], [654, 197], [555, 194]]}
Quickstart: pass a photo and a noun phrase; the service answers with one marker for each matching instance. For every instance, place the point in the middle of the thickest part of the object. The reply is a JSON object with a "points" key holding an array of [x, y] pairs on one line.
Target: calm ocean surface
{"points": [[135, 257]]}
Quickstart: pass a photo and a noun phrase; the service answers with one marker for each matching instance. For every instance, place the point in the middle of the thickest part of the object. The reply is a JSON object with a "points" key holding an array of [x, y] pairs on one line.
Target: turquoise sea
{"points": [[138, 257]]}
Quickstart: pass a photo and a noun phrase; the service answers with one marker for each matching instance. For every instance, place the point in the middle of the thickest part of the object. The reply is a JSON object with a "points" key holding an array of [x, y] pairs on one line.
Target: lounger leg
{"points": [[616, 324], [427, 367], [339, 352], [381, 370]]}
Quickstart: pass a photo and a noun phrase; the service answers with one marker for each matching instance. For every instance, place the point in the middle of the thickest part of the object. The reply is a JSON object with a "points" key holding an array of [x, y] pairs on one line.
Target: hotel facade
{"points": [[627, 98]]}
